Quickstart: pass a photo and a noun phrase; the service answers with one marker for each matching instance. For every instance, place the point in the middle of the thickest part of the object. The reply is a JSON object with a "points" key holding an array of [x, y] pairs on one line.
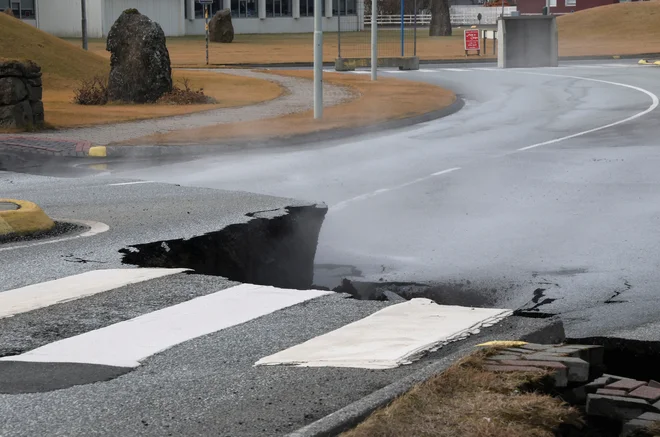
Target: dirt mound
{"points": [[62, 63], [618, 29]]}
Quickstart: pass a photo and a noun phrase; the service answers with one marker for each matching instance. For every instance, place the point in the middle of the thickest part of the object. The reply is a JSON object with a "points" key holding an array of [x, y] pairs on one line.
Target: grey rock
{"points": [[35, 93], [220, 27], [18, 115], [16, 68], [38, 115], [140, 69], [35, 82], [617, 407], [12, 90]]}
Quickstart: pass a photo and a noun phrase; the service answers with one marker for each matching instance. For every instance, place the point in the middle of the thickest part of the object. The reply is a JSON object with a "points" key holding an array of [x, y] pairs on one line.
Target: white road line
{"points": [[32, 297], [125, 344], [95, 228], [341, 205], [428, 70], [654, 99], [131, 183], [396, 335], [456, 69]]}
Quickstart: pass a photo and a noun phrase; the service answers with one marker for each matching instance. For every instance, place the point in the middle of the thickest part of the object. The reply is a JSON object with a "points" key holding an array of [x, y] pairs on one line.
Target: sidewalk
{"points": [[90, 141]]}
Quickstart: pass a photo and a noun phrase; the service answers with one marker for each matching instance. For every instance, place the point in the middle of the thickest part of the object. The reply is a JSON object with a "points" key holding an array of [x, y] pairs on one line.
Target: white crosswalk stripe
{"points": [[391, 337], [49, 293]]}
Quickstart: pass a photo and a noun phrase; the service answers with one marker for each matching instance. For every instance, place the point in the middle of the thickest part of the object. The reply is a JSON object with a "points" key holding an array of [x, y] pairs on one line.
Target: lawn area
{"points": [[619, 29], [468, 401], [374, 105], [64, 66]]}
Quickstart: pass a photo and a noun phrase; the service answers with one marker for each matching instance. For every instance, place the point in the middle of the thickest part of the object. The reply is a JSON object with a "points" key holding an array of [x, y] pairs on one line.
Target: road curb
{"points": [[543, 331], [116, 151], [26, 218], [424, 61]]}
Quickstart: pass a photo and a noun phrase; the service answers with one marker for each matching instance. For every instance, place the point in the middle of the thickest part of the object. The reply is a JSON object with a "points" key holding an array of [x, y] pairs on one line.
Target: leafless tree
{"points": [[440, 18]]}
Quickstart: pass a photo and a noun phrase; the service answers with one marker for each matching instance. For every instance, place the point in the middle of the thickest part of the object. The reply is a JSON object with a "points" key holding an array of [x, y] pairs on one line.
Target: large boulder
{"points": [[220, 27], [20, 95], [140, 70]]}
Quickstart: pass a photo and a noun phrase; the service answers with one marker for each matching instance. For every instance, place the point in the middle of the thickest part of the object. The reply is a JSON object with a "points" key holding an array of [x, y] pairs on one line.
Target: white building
{"points": [[185, 17]]}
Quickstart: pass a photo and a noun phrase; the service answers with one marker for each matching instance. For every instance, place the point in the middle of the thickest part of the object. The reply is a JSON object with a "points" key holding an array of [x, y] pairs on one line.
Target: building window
{"points": [[571, 3], [213, 8], [21, 8], [278, 8], [348, 7], [552, 3], [244, 9], [307, 8]]}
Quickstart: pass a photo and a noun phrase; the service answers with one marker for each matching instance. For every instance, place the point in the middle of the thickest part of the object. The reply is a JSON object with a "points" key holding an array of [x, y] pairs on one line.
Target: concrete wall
{"points": [[528, 41], [62, 18], [168, 13]]}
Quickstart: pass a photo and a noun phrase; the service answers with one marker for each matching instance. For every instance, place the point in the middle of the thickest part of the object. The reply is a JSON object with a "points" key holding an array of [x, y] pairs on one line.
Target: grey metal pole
{"points": [[415, 31], [83, 7], [206, 25], [339, 29], [318, 59], [374, 39]]}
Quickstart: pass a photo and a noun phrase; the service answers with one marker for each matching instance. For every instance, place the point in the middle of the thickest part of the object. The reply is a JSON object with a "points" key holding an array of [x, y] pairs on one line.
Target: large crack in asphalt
{"points": [[275, 248]]}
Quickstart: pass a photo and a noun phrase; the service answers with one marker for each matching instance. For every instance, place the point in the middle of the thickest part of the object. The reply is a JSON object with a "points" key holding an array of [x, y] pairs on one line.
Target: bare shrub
{"points": [[186, 94], [92, 92]]}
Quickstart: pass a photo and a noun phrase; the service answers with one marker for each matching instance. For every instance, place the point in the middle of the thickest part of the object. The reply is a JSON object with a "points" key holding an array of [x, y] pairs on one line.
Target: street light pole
{"points": [[83, 7], [318, 59]]}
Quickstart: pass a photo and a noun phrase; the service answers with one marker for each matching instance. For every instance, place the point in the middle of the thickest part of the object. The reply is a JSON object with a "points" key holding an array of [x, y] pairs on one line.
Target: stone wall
{"points": [[20, 95]]}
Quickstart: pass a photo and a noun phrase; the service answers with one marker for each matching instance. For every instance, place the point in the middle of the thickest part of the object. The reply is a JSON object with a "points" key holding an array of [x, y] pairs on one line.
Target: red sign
{"points": [[472, 41]]}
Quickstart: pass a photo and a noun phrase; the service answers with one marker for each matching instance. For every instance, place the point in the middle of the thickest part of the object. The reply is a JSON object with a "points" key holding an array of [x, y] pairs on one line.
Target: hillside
{"points": [[63, 64], [618, 29]]}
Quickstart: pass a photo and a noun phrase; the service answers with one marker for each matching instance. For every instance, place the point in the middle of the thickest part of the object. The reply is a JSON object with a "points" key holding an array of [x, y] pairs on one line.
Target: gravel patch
{"points": [[297, 98]]}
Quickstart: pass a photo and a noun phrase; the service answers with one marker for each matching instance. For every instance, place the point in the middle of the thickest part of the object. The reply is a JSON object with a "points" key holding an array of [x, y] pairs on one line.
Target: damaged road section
{"points": [[275, 247]]}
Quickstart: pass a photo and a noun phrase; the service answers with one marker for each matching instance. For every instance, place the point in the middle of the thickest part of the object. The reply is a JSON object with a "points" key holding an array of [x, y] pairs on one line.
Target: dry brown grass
{"points": [[467, 401], [64, 66], [619, 29], [385, 99], [228, 90]]}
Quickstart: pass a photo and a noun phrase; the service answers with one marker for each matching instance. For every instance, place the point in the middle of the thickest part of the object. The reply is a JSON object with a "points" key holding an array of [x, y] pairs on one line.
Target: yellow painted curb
{"points": [[98, 151], [643, 61], [28, 218], [656, 63]]}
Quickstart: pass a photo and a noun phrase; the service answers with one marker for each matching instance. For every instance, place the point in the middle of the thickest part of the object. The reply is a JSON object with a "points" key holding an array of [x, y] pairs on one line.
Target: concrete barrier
{"points": [[527, 41], [403, 63]]}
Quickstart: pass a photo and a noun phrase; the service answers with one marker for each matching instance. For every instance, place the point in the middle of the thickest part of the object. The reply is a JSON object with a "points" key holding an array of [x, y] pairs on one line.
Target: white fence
{"points": [[460, 16]]}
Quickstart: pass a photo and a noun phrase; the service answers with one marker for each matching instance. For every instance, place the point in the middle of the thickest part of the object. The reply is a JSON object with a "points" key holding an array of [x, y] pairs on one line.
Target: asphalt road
{"points": [[568, 225], [456, 200]]}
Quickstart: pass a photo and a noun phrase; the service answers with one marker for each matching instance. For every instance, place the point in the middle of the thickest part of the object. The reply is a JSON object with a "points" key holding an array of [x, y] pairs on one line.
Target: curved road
{"points": [[541, 192], [546, 179]]}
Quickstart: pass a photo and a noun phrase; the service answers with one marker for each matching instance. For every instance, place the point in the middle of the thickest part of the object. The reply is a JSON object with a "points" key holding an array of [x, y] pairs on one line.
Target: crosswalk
{"points": [[392, 335], [440, 70]]}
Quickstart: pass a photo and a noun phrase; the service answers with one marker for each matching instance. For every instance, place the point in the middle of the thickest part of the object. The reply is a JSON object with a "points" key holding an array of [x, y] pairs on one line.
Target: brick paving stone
{"points": [[651, 394], [610, 392], [500, 368], [536, 347], [653, 383], [633, 425], [517, 350], [625, 384], [617, 407], [560, 374], [591, 353], [653, 417], [578, 369], [499, 357]]}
